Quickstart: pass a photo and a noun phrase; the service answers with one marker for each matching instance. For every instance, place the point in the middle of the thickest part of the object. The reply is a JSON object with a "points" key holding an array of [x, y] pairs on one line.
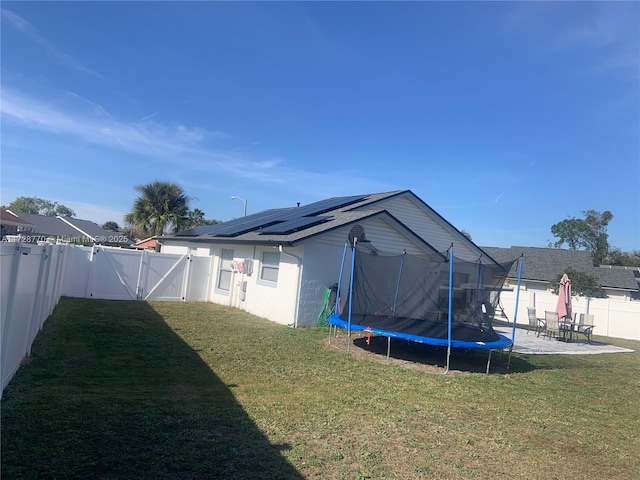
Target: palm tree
{"points": [[194, 218], [160, 205]]}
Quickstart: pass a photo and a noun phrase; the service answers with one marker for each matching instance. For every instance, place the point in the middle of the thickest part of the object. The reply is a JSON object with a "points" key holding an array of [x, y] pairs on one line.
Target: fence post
{"points": [[38, 300], [8, 313]]}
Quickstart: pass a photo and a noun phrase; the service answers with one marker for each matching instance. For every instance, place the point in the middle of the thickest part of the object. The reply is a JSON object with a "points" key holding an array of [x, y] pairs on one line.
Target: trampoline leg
{"points": [[448, 358], [330, 327], [388, 348], [489, 361]]}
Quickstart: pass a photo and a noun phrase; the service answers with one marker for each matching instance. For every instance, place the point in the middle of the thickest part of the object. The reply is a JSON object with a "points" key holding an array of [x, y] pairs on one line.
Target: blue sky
{"points": [[505, 117]]}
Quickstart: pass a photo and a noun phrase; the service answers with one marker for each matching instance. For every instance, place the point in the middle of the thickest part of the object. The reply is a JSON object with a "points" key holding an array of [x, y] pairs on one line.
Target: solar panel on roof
{"points": [[321, 207], [241, 225], [302, 217], [240, 229], [294, 225], [195, 231]]}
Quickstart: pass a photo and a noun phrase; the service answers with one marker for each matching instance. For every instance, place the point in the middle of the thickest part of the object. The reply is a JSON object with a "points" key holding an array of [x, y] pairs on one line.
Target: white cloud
{"points": [[34, 35], [196, 150]]}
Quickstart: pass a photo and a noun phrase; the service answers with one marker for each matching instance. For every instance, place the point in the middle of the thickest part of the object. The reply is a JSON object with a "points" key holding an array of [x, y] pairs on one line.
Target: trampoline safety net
{"points": [[410, 294]]}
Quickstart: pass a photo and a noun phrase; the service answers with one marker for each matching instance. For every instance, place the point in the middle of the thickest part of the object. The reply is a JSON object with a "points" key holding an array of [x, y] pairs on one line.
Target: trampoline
{"points": [[434, 299]]}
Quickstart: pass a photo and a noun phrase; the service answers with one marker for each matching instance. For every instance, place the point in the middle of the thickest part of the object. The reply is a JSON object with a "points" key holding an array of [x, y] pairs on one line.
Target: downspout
{"points": [[298, 286]]}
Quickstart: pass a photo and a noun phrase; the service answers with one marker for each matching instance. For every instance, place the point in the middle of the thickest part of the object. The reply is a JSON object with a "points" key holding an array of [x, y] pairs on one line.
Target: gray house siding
{"points": [[323, 258], [417, 218]]}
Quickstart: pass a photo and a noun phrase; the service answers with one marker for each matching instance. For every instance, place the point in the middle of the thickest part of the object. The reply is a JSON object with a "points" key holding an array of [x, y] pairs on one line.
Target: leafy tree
{"points": [[161, 206], [582, 284], [111, 226], [39, 206], [466, 234], [589, 234], [625, 259]]}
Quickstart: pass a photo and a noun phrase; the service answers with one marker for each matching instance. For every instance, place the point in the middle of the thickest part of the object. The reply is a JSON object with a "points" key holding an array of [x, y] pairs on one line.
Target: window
{"points": [[225, 271], [269, 267]]}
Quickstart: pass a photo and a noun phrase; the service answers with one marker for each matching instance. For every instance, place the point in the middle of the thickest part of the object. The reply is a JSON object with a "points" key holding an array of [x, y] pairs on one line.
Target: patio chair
{"points": [[536, 323], [551, 324], [585, 326]]}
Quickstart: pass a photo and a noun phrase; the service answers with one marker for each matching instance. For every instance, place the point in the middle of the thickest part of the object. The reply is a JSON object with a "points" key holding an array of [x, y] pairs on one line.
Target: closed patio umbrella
{"points": [[564, 298]]}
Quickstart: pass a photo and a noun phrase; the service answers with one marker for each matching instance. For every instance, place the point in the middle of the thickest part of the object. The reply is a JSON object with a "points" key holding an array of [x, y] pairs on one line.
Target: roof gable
{"points": [[448, 234]]}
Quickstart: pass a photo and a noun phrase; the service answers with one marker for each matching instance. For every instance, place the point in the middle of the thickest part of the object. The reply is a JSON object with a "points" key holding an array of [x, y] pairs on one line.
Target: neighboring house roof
{"points": [[293, 225], [46, 225], [9, 218], [614, 274], [546, 264], [73, 228], [146, 243]]}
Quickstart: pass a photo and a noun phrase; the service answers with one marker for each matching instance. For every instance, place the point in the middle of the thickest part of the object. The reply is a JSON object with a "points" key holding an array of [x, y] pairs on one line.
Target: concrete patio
{"points": [[530, 343]]}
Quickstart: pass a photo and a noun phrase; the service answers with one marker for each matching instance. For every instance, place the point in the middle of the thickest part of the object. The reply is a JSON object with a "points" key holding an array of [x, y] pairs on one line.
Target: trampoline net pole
{"points": [[515, 313], [395, 299], [353, 264], [450, 306]]}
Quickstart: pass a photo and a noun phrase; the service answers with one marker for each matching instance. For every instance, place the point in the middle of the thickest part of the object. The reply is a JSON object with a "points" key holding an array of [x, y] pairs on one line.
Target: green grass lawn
{"points": [[135, 390]]}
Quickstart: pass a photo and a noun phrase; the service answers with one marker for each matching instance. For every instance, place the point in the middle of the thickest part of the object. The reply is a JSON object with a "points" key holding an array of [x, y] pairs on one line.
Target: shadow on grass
{"points": [[111, 392], [461, 360]]}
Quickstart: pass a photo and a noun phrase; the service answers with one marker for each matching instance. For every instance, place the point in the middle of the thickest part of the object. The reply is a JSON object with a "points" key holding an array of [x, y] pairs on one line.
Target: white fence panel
{"points": [[16, 321], [114, 273], [164, 276], [199, 279], [8, 258], [32, 278], [612, 318], [79, 269]]}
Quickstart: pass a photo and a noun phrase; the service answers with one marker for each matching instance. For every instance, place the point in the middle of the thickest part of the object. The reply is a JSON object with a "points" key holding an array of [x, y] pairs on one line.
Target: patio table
{"points": [[569, 327], [577, 328]]}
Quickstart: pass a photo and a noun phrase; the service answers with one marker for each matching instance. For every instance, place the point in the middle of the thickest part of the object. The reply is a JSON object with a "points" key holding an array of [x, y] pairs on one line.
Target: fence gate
{"points": [[119, 274], [163, 276]]}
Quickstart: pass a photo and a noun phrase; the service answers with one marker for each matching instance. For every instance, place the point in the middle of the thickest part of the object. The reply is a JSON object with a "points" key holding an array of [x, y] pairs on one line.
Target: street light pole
{"points": [[235, 197]]}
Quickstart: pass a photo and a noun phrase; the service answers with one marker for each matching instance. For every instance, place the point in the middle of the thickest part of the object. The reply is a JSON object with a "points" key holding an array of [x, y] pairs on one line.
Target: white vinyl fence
{"points": [[612, 318], [119, 274], [33, 278]]}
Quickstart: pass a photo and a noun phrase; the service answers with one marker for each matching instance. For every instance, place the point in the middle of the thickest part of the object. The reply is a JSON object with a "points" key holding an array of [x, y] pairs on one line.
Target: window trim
{"points": [[222, 269], [272, 266]]}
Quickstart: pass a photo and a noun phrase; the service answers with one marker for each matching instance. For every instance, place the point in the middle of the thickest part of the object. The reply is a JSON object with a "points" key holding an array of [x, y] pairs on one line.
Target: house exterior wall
{"points": [[305, 271], [276, 302]]}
